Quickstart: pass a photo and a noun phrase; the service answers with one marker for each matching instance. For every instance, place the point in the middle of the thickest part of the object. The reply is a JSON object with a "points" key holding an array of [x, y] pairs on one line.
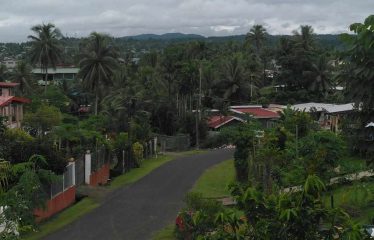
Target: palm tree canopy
{"points": [[98, 62], [257, 36], [305, 37], [46, 49]]}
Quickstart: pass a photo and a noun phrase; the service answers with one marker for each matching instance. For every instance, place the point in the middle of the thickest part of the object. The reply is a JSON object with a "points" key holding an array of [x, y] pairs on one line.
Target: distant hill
{"points": [[166, 36], [327, 40]]}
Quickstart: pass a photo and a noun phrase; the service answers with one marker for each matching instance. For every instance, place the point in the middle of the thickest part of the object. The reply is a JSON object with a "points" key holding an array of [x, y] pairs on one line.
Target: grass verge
{"points": [[135, 174], [165, 234], [65, 217], [215, 180]]}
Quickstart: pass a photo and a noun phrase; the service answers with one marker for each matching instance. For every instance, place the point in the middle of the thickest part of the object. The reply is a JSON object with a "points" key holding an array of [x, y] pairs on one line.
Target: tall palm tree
{"points": [[257, 36], [98, 64], [305, 38], [46, 48], [236, 81], [22, 74], [320, 75]]}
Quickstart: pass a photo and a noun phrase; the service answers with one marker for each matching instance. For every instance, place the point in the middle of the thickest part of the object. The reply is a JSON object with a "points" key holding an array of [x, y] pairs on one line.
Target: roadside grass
{"points": [[215, 180], [134, 175], [62, 219], [356, 199], [88, 204], [166, 233]]}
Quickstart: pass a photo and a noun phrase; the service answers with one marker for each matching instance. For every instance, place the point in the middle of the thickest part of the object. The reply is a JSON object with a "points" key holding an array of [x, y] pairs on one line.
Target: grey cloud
{"points": [[207, 17]]}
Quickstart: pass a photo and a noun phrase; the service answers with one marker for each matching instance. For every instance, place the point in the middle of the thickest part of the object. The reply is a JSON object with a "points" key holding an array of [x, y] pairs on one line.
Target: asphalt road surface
{"points": [[136, 211]]}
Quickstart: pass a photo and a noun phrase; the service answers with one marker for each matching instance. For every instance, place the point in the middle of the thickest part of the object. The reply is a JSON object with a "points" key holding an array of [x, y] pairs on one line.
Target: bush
{"points": [[137, 150]]}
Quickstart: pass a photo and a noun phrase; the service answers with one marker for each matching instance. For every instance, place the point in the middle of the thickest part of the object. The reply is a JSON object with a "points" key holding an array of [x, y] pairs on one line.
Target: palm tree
{"points": [[98, 64], [319, 75], [257, 36], [22, 75], [305, 38], [238, 84], [46, 48]]}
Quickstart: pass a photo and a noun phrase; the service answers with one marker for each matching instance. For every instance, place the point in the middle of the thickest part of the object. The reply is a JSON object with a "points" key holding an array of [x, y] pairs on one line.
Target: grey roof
{"points": [[74, 70], [323, 107]]}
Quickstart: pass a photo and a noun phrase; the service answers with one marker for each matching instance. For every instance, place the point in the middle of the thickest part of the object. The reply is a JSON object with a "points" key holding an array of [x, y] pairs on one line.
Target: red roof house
{"points": [[11, 107], [256, 112], [216, 122], [265, 116]]}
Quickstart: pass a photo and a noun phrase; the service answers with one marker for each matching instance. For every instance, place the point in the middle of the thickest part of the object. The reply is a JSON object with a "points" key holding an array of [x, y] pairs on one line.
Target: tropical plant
{"points": [[257, 36], [98, 64], [46, 49]]}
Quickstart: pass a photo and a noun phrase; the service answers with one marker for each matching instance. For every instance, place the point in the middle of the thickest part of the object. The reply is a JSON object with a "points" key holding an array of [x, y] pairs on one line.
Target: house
{"points": [[11, 107], [58, 74], [267, 117], [329, 116], [216, 122], [10, 63], [237, 114]]}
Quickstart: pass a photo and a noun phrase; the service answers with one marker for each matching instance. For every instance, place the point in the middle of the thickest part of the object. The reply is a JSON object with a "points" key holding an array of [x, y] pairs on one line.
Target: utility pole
{"points": [[200, 73], [297, 142], [198, 110]]}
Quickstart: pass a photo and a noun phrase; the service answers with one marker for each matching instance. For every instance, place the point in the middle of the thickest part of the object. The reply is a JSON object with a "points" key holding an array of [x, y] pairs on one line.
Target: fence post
{"points": [[155, 146], [123, 161], [72, 164], [87, 167]]}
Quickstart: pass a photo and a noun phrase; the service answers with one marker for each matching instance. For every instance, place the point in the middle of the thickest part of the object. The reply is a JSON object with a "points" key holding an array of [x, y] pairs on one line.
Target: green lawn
{"points": [[65, 217], [357, 199], [214, 182]]}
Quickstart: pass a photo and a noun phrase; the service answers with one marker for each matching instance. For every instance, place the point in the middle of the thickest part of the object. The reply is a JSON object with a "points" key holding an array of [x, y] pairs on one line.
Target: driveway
{"points": [[135, 212]]}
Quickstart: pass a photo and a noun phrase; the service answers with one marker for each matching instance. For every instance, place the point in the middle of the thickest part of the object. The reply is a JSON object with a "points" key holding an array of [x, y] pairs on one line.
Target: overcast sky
{"points": [[205, 17]]}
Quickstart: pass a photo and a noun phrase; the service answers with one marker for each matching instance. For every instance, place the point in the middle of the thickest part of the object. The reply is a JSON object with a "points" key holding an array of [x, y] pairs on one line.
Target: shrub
{"points": [[137, 150]]}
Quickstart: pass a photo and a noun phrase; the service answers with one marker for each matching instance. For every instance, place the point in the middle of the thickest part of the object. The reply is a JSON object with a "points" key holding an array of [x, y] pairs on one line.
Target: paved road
{"points": [[136, 211]]}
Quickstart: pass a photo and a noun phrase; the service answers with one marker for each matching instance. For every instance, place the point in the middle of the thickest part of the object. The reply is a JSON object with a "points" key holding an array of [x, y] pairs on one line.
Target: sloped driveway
{"points": [[136, 211]]}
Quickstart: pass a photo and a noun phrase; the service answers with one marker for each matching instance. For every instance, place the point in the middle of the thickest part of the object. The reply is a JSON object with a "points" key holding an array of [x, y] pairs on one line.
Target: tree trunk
{"points": [[96, 102], [45, 81]]}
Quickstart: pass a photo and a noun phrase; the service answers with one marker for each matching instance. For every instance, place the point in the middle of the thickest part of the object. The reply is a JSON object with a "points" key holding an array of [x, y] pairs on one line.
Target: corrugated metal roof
{"points": [[218, 121], [58, 70], [323, 107], [8, 84], [256, 112]]}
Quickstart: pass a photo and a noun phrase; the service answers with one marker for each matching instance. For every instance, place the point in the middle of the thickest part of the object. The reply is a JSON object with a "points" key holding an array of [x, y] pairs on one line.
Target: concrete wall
{"points": [[56, 204], [101, 176]]}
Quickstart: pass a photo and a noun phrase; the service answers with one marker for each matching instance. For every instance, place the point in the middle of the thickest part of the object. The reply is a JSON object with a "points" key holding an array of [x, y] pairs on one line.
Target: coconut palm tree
{"points": [[257, 36], [238, 83], [98, 64], [319, 75], [46, 49], [305, 38], [22, 75]]}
